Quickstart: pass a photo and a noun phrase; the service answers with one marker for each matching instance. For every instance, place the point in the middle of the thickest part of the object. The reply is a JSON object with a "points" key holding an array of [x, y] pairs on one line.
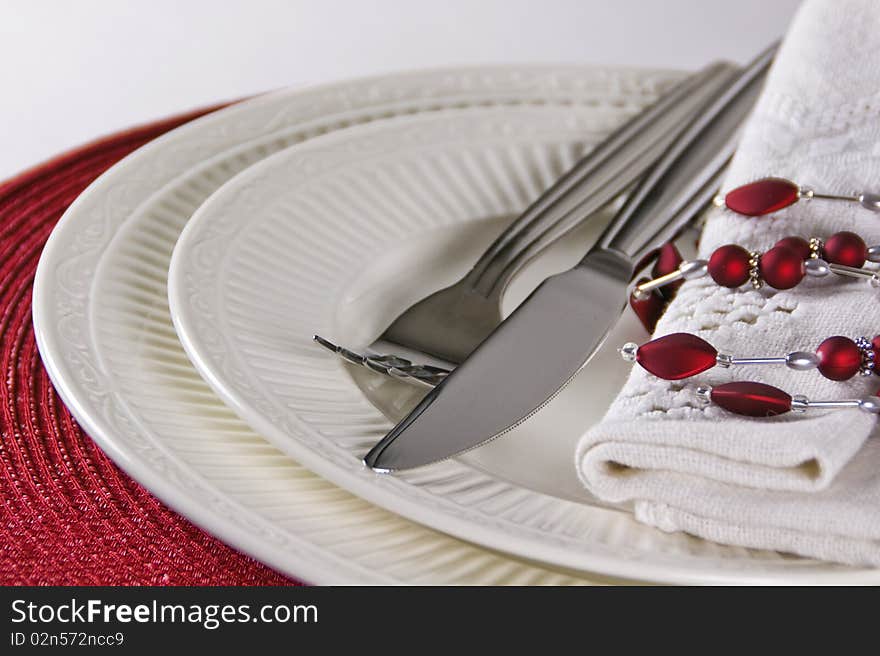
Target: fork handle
{"points": [[595, 180], [662, 202]]}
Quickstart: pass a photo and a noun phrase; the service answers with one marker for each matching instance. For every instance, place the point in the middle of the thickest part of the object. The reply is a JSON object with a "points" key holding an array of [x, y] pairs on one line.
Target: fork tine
{"points": [[327, 344], [393, 366]]}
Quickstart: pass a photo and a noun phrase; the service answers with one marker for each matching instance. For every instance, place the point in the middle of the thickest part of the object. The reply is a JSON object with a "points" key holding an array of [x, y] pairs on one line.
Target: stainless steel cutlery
{"points": [[451, 322], [536, 351]]}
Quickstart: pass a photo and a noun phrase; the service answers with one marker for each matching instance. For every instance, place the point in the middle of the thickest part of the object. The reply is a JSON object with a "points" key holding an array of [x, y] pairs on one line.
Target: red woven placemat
{"points": [[68, 515]]}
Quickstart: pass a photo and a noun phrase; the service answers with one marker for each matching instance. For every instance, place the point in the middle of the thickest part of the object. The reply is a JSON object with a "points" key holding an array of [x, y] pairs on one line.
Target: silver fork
{"points": [[450, 323]]}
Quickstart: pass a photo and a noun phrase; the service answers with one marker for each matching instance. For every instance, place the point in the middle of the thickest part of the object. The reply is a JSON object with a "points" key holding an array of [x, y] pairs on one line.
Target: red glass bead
{"points": [[839, 358], [797, 244], [648, 310], [667, 261], [751, 399], [729, 265], [762, 196], [677, 356], [781, 267], [846, 248]]}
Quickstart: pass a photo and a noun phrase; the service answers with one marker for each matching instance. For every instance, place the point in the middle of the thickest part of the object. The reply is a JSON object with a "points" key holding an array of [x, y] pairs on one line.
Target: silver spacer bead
{"points": [[704, 394], [816, 246], [873, 254], [870, 404], [799, 403], [867, 349], [817, 267], [691, 269], [870, 201], [640, 294], [806, 193], [718, 201], [801, 361], [628, 351], [724, 360], [754, 270]]}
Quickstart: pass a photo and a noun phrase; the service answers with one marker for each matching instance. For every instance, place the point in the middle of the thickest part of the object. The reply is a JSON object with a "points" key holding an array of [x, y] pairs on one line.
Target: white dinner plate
{"points": [[336, 237], [103, 328]]}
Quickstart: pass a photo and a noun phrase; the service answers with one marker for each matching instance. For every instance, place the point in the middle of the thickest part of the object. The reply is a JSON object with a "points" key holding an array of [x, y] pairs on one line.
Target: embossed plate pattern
{"points": [[335, 237], [104, 332]]}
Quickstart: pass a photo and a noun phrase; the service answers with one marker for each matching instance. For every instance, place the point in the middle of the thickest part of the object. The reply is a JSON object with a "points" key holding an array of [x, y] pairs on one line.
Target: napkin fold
{"points": [[810, 483]]}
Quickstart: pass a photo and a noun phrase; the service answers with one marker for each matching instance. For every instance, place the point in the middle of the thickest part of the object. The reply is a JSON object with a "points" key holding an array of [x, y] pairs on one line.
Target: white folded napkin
{"points": [[809, 483]]}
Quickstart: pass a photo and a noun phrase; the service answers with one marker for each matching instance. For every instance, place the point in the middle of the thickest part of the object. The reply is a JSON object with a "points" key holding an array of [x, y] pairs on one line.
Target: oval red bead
{"points": [[762, 196], [677, 356], [846, 248], [729, 265], [751, 399], [648, 310], [797, 244], [781, 267], [668, 260], [839, 358]]}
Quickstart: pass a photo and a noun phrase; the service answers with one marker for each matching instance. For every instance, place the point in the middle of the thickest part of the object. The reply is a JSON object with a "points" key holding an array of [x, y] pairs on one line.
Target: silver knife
{"points": [[540, 347]]}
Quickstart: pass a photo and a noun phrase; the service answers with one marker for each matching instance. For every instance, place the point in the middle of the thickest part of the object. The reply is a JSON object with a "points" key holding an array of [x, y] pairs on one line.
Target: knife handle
{"points": [[680, 184]]}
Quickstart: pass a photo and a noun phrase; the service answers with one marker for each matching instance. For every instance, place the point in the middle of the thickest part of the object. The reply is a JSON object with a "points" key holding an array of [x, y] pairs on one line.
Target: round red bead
{"points": [[797, 244], [677, 356], [839, 358], [668, 260], [751, 399], [729, 265], [762, 196], [648, 310], [781, 267], [846, 248]]}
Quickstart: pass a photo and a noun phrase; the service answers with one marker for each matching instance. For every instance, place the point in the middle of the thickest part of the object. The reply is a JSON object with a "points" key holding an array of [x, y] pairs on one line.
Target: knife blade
{"points": [[543, 344]]}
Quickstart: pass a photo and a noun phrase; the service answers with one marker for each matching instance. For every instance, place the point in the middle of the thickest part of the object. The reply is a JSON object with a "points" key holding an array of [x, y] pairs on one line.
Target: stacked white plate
{"points": [[330, 210]]}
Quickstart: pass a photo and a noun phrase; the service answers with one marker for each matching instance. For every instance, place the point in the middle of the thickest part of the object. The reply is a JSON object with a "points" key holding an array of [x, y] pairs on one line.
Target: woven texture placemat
{"points": [[68, 515]]}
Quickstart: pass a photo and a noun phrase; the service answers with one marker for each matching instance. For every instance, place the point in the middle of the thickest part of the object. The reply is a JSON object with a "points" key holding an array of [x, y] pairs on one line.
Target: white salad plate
{"points": [[338, 236], [105, 334]]}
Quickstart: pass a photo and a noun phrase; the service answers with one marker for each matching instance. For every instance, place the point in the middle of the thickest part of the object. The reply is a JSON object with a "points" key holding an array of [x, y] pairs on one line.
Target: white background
{"points": [[71, 70]]}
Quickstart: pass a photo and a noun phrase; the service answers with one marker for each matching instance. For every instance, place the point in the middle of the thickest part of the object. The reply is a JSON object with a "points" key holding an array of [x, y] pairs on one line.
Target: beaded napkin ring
{"points": [[760, 400], [770, 195], [682, 355], [782, 267]]}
